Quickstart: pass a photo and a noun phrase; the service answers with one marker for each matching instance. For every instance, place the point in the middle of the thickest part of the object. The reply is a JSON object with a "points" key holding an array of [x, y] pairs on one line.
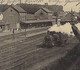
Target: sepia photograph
{"points": [[39, 34]]}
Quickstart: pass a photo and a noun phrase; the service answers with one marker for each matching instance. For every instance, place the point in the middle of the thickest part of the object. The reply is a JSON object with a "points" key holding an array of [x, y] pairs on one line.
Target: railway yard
{"points": [[39, 35], [23, 53]]}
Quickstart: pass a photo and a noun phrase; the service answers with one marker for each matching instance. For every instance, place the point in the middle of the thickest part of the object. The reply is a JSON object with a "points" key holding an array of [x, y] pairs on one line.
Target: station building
{"points": [[15, 17], [41, 18], [36, 23]]}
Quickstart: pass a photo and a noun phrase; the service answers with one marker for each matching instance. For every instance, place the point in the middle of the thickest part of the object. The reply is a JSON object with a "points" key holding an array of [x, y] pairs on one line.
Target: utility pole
{"points": [[25, 32], [72, 17], [56, 14], [13, 34], [77, 4]]}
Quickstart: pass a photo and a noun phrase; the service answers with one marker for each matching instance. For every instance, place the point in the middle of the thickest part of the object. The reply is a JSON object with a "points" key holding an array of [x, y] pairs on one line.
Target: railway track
{"points": [[18, 35], [22, 55], [9, 52], [19, 52]]}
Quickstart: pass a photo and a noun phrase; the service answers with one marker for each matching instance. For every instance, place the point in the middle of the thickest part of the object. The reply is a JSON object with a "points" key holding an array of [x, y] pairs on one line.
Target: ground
{"points": [[71, 61], [24, 54]]}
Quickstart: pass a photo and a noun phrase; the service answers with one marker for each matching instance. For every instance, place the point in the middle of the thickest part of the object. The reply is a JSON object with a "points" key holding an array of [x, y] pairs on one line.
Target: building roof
{"points": [[37, 21], [31, 17], [32, 8], [68, 18], [18, 9], [46, 10]]}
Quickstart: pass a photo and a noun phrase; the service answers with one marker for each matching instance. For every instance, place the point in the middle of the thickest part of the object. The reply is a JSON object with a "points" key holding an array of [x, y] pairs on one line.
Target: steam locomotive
{"points": [[59, 35]]}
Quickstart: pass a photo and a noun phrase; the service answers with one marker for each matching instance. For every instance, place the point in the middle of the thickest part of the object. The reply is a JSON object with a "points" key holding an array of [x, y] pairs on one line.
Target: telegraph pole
{"points": [[56, 14], [72, 17], [25, 32], [13, 33], [77, 4]]}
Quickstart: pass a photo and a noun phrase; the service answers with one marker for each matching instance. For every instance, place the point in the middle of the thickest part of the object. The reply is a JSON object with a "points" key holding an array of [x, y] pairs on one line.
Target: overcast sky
{"points": [[70, 5]]}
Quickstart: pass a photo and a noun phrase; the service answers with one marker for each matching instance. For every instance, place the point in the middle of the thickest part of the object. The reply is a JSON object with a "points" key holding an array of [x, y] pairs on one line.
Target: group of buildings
{"points": [[15, 17]]}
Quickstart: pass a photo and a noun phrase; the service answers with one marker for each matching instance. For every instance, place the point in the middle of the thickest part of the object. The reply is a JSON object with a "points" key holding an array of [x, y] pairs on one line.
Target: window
{"points": [[41, 13], [11, 10]]}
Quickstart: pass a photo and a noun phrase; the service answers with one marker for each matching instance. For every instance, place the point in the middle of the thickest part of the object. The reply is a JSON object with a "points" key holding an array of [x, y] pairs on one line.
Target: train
{"points": [[60, 34]]}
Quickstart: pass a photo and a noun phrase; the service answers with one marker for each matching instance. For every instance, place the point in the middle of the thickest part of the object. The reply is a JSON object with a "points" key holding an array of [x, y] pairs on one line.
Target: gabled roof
{"points": [[46, 10], [68, 18], [32, 8], [18, 9]]}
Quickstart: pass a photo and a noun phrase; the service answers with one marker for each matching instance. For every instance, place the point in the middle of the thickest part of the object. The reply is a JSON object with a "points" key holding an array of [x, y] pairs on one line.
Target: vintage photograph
{"points": [[39, 34]]}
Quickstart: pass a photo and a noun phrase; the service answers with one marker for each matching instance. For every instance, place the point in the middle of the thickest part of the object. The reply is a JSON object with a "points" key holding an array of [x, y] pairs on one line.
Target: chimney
{"points": [[46, 5]]}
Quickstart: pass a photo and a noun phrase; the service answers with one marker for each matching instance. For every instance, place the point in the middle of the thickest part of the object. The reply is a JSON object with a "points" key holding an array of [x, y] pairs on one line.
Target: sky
{"points": [[71, 4]]}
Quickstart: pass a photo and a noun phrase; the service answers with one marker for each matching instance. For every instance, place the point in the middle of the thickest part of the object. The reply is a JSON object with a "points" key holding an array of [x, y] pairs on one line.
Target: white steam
{"points": [[66, 28]]}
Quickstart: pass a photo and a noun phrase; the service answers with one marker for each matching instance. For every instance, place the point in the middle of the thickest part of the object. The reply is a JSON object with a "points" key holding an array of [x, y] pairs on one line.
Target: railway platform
{"points": [[21, 38], [8, 32]]}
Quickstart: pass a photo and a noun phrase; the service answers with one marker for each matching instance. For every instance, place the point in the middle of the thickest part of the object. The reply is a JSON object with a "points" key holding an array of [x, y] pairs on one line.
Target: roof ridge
{"points": [[43, 8], [18, 8]]}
